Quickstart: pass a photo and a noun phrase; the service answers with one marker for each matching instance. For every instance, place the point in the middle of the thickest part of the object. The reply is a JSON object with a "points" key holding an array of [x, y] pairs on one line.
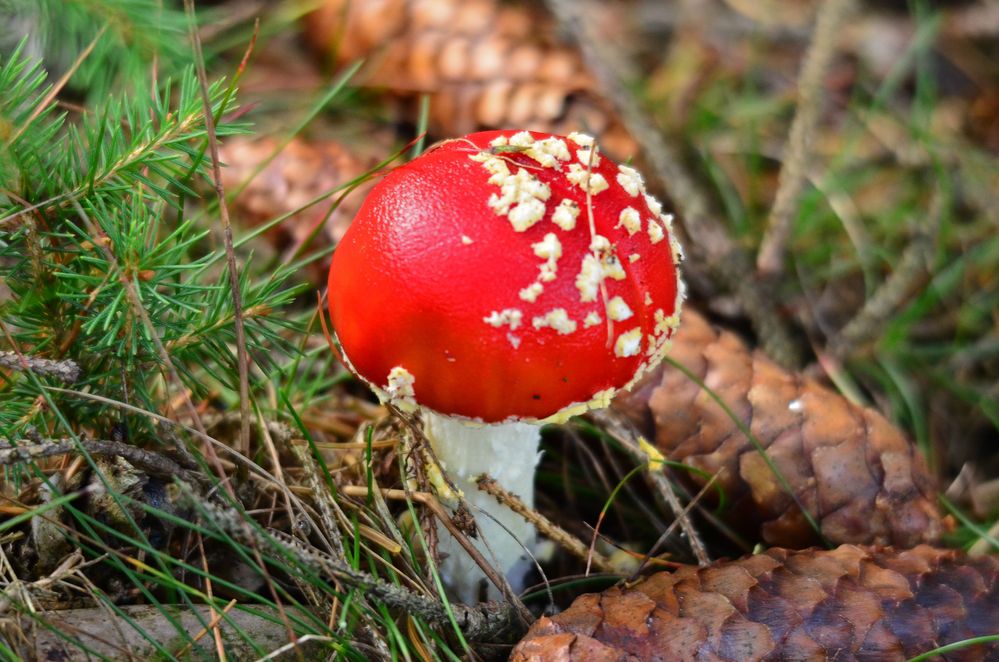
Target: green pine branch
{"points": [[89, 203]]}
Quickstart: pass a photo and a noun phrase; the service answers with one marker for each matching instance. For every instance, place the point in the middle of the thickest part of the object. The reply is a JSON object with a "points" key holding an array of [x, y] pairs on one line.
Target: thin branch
{"points": [[230, 253], [566, 540], [623, 433], [66, 371], [773, 247], [326, 504], [664, 536], [210, 442], [27, 450], [867, 326]]}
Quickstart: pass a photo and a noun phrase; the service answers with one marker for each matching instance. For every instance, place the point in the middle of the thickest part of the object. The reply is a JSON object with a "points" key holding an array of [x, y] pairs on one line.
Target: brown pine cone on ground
{"points": [[856, 474], [297, 174], [485, 64], [851, 603]]}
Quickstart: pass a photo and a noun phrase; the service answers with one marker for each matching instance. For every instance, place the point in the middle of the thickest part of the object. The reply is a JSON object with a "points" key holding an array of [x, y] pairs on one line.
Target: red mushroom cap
{"points": [[506, 275]]}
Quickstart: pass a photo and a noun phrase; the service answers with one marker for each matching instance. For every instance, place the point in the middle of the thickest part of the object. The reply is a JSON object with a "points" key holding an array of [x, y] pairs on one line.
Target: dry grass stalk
{"points": [[911, 273], [242, 356]]}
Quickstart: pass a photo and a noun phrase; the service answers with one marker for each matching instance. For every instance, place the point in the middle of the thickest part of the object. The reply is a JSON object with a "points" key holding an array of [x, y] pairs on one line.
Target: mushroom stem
{"points": [[508, 452]]}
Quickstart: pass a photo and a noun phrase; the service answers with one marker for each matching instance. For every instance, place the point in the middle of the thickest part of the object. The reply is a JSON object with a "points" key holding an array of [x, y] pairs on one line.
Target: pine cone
{"points": [[485, 64], [853, 471], [851, 603], [299, 173]]}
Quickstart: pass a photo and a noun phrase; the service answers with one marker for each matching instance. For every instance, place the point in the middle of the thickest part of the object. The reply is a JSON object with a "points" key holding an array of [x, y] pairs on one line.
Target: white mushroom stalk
{"points": [[508, 453]]}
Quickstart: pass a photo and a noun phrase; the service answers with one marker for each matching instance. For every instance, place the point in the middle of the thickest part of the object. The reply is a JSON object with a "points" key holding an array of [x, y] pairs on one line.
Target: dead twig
{"points": [[773, 247], [911, 273], [66, 371], [867, 325], [545, 526], [491, 621], [24, 450], [654, 550], [329, 510]]}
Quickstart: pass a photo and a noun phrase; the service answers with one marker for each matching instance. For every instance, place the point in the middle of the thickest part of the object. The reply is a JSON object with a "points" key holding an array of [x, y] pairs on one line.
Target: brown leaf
{"points": [[850, 603], [854, 472], [484, 63]]}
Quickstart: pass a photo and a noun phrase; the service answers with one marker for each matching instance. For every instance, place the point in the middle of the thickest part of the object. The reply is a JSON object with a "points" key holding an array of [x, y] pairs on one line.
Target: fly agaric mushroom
{"points": [[500, 281]]}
